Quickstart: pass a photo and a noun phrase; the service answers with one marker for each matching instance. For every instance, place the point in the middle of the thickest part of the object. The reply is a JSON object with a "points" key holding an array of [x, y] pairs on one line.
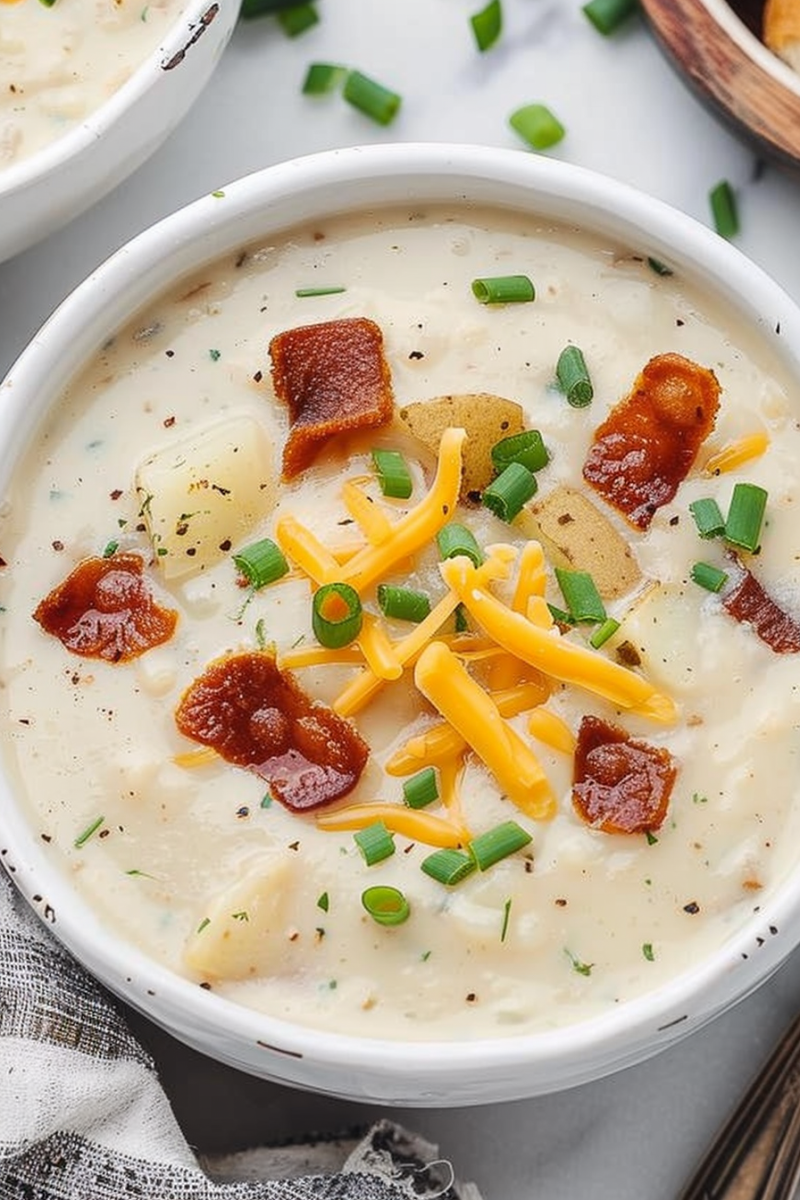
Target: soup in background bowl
{"points": [[399, 669], [90, 91]]}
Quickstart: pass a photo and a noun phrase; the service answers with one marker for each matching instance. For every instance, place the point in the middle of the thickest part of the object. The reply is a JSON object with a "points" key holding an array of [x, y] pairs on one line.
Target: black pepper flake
{"points": [[57, 545], [169, 422], [226, 545], [471, 997], [294, 845], [674, 520], [170, 353], [244, 811], [259, 375], [46, 837], [115, 495], [561, 902], [691, 908], [205, 986], [416, 354]]}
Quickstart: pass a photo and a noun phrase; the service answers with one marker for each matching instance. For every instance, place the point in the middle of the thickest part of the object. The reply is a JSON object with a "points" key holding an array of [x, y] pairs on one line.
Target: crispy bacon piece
{"points": [[620, 784], [257, 716], [333, 378], [105, 609], [646, 446], [747, 601]]}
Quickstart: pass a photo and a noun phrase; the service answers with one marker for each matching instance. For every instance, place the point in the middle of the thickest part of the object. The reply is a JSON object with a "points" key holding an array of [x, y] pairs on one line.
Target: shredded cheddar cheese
{"points": [[410, 822], [531, 576], [371, 519], [306, 551], [378, 651], [734, 454], [445, 682], [548, 727]]}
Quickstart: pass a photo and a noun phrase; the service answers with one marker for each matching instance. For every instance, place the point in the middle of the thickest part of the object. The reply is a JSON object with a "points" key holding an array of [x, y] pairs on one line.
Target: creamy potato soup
{"points": [[561, 773], [60, 62]]}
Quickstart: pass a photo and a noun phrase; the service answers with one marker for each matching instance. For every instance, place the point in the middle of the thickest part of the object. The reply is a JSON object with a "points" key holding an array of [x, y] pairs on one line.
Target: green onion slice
{"points": [[724, 209], [608, 15], [460, 622], [454, 539], [707, 517], [709, 577], [745, 515], [448, 866], [394, 476], [403, 604], [581, 594], [537, 126], [527, 448], [487, 25], [261, 563], [252, 8], [490, 847], [605, 631], [375, 842], [333, 290], [297, 19], [386, 905], [560, 615], [88, 832], [421, 789], [371, 98], [509, 492], [573, 377], [659, 267], [322, 78], [503, 289], [336, 615]]}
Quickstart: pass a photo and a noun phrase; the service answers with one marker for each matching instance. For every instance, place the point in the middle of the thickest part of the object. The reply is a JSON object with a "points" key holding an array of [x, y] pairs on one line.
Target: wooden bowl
{"points": [[717, 49]]}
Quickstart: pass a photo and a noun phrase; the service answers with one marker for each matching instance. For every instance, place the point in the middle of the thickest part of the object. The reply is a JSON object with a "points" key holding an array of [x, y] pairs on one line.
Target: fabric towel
{"points": [[83, 1115]]}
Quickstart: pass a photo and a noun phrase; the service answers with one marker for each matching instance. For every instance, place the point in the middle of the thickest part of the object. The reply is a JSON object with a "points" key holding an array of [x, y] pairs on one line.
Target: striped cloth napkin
{"points": [[84, 1117]]}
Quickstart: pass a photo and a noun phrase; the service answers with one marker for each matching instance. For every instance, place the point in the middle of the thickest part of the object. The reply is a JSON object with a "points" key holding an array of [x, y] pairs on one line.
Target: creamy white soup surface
{"points": [[59, 63], [195, 859]]}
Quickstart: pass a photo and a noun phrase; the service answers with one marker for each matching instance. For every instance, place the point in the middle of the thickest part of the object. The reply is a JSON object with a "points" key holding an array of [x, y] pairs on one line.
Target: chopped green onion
{"points": [[448, 866], [707, 517], [297, 19], [371, 98], [460, 621], [403, 604], [503, 289], [421, 789], [709, 577], [487, 25], [608, 15], [537, 126], [560, 615], [573, 377], [303, 293], [323, 902], [647, 951], [375, 842], [386, 905], [506, 915], [336, 615], [261, 563], [394, 476], [509, 492], [745, 515], [454, 539], [322, 78], [581, 594], [110, 549], [258, 8], [490, 847], [527, 448], [722, 199], [605, 631], [88, 832], [660, 268]]}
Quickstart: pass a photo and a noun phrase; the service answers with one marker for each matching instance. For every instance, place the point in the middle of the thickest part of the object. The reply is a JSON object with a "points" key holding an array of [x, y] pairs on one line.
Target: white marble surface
{"points": [[635, 1136]]}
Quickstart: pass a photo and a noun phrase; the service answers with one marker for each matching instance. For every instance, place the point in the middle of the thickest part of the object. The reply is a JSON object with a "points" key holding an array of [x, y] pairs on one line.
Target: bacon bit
{"points": [[646, 446], [257, 716], [749, 603], [333, 378], [621, 784], [105, 609]]}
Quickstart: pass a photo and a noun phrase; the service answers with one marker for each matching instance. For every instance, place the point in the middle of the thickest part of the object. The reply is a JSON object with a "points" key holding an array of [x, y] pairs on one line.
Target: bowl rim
{"points": [[381, 1068], [80, 139]]}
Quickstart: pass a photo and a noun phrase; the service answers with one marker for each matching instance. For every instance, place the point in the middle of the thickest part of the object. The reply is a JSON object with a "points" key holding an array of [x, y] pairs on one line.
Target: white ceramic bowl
{"points": [[261, 205], [43, 192]]}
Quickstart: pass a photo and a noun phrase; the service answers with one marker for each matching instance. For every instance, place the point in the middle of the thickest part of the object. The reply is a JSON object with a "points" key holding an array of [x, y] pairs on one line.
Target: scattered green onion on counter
{"points": [[608, 15], [336, 615], [503, 289], [537, 125], [724, 209], [261, 563], [386, 905], [297, 19], [573, 377], [322, 78], [487, 25], [371, 97], [394, 477]]}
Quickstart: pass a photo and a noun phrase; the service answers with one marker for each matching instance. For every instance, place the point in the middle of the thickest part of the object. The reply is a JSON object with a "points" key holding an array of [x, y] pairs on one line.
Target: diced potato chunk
{"points": [[203, 493], [577, 535], [487, 419], [242, 932]]}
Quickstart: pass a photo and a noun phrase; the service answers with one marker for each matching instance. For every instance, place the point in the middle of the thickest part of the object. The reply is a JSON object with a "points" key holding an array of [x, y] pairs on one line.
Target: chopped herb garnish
{"points": [[304, 293], [608, 15], [261, 633], [708, 576], [699, 798], [336, 615], [454, 539], [261, 563], [745, 516], [297, 19], [266, 800], [371, 97], [241, 916], [652, 840], [386, 905], [394, 477], [582, 968], [527, 448], [323, 902], [261, 8], [322, 78], [375, 842], [506, 915], [206, 921], [603, 632], [215, 355], [660, 268], [421, 789], [111, 549], [403, 604], [581, 595], [573, 377], [497, 843], [503, 289], [487, 25], [707, 517], [724, 212], [448, 866], [647, 951], [537, 125], [88, 832], [508, 494]]}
